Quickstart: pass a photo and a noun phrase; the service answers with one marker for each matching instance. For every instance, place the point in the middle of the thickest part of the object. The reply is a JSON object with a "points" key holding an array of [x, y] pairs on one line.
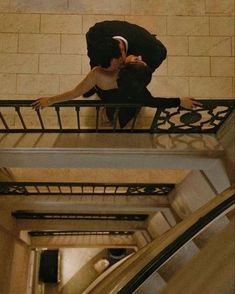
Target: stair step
{"points": [[178, 260], [152, 285], [217, 226], [211, 271], [158, 225]]}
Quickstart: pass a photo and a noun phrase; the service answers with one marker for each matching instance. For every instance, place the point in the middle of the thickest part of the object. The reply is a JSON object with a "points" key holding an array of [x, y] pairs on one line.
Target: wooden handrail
{"points": [[116, 280]]}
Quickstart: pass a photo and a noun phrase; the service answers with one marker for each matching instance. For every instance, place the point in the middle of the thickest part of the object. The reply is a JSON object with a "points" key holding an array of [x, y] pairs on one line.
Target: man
{"points": [[109, 42], [112, 44]]}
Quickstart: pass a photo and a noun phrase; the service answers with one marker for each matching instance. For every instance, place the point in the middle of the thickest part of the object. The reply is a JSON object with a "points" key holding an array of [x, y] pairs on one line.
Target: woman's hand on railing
{"points": [[41, 103], [189, 103]]}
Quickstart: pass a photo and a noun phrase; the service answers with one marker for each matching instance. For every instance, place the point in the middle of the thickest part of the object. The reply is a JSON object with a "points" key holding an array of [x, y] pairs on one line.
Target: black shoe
{"points": [[89, 93]]}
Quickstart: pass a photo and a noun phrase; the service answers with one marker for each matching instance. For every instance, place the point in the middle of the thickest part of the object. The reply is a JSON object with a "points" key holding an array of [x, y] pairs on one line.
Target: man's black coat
{"points": [[140, 41]]}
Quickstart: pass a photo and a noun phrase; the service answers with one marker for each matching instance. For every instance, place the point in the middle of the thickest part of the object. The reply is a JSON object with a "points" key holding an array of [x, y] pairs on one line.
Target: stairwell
{"points": [[59, 166], [48, 215]]}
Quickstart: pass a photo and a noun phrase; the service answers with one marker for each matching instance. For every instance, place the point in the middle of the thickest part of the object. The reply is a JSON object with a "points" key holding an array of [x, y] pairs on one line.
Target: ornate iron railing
{"points": [[78, 216], [53, 188], [205, 119], [79, 233]]}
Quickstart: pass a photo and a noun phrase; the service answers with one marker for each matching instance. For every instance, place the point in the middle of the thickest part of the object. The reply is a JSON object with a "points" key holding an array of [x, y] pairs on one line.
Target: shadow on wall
{"points": [[6, 174]]}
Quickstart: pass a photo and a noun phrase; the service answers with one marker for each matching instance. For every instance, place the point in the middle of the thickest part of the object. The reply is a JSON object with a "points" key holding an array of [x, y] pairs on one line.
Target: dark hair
{"points": [[133, 77], [105, 51]]}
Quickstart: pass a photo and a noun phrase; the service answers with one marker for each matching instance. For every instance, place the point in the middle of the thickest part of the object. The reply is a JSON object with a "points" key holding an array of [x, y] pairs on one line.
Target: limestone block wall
{"points": [[43, 49], [13, 279]]}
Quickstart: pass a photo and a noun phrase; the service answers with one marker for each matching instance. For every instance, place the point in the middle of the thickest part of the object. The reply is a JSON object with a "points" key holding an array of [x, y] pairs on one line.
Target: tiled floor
{"points": [[77, 268]]}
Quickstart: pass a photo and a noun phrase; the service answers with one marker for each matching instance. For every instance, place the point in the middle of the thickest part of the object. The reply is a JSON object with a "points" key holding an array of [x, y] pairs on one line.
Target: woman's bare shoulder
{"points": [[97, 69], [94, 74], [104, 78]]}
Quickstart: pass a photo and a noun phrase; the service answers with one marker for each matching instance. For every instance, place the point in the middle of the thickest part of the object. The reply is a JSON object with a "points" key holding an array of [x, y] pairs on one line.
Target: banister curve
{"points": [[132, 273]]}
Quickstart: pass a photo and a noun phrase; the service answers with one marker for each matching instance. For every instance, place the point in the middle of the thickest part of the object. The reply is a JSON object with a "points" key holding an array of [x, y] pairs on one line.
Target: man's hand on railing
{"points": [[189, 103], [41, 103]]}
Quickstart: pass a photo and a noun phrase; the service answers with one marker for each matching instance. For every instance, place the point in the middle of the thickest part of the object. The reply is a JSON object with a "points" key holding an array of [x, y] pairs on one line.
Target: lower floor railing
{"points": [[74, 188]]}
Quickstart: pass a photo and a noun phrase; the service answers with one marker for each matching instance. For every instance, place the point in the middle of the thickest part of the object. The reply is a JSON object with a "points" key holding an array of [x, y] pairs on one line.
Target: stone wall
{"points": [[43, 49], [13, 279]]}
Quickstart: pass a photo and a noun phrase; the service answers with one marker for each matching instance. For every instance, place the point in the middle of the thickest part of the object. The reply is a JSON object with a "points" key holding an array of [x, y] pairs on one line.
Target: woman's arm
{"points": [[84, 86]]}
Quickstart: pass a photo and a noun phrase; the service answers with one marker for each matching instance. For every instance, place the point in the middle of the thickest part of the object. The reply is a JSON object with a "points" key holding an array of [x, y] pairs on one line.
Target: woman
{"points": [[126, 85]]}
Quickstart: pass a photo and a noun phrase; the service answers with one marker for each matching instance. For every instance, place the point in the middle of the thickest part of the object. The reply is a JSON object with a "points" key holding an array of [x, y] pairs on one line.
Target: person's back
{"points": [[110, 28]]}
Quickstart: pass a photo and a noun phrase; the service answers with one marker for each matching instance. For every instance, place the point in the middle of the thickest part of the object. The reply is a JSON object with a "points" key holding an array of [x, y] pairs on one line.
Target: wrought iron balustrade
{"points": [[79, 233], [96, 189], [205, 119], [78, 216]]}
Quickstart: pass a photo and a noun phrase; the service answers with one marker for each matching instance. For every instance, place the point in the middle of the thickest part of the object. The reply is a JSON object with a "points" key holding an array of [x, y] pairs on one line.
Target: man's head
{"points": [[133, 78], [109, 54]]}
